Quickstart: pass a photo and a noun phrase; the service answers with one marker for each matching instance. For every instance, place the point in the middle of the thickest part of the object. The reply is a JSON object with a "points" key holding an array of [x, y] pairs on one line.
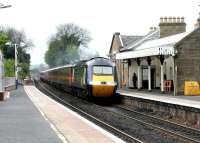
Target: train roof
{"points": [[93, 61], [97, 58], [84, 62], [65, 66], [100, 60]]}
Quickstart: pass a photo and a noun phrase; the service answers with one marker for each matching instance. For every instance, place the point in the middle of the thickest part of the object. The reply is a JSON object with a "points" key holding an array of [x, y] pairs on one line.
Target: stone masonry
{"points": [[171, 25], [188, 59]]}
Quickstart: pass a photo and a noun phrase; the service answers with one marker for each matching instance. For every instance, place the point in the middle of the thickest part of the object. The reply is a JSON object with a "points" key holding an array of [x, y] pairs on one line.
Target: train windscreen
{"points": [[102, 70]]}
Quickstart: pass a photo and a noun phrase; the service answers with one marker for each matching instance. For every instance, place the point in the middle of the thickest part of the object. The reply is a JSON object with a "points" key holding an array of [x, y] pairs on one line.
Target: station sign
{"points": [[166, 51]]}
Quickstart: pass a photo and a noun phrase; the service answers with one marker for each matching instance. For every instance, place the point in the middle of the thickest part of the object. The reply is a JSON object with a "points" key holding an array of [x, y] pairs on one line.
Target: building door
{"points": [[145, 77], [153, 77]]}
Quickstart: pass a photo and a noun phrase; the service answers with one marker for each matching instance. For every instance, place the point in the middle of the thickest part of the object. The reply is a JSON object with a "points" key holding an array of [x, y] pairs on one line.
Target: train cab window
{"points": [[102, 70]]}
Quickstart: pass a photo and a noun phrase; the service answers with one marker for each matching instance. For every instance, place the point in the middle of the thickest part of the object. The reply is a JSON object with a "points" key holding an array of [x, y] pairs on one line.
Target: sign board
{"points": [[191, 88], [166, 51]]}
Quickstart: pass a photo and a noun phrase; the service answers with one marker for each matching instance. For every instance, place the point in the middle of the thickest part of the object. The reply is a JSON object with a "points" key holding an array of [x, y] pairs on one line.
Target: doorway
{"points": [[145, 77]]}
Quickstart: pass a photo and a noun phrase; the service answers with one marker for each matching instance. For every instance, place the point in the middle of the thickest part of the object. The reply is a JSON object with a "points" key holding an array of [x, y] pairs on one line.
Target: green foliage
{"points": [[5, 49], [9, 67], [3, 38], [12, 35], [64, 45], [24, 70]]}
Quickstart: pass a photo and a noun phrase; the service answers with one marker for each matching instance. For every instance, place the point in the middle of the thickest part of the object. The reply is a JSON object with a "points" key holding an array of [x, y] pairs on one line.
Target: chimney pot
{"points": [[178, 20], [182, 19], [161, 19], [174, 19], [170, 19], [165, 19]]}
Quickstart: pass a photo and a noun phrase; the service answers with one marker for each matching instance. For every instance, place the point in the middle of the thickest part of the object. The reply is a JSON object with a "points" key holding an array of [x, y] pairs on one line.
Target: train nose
{"points": [[103, 89], [103, 85]]}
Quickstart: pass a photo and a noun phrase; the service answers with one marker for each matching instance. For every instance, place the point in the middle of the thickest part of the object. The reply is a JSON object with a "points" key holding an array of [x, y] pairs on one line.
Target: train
{"points": [[93, 78]]}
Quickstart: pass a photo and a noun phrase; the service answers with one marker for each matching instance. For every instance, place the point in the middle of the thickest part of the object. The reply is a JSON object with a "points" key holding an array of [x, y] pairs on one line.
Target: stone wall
{"points": [[116, 44], [188, 60], [188, 116]]}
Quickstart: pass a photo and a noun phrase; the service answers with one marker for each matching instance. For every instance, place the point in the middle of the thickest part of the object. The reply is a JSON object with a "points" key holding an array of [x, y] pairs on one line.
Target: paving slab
{"points": [[70, 125], [21, 122]]}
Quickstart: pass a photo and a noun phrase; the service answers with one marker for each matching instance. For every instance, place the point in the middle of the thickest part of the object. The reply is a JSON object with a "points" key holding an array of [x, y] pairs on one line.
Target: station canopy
{"points": [[162, 46]]}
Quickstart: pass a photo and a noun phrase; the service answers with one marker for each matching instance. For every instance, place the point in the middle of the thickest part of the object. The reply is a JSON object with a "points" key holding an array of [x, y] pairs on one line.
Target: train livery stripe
{"points": [[109, 78]]}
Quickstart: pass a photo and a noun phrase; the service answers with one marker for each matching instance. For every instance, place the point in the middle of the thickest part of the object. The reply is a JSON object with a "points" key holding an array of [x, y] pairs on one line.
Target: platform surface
{"points": [[21, 122], [71, 127], [188, 101]]}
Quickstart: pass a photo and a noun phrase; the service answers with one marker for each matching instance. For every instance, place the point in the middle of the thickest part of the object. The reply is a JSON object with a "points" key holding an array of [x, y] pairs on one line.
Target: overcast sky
{"points": [[39, 18]]}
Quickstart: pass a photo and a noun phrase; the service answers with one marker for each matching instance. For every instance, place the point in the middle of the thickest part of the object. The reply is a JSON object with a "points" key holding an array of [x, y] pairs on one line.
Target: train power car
{"points": [[92, 78]]}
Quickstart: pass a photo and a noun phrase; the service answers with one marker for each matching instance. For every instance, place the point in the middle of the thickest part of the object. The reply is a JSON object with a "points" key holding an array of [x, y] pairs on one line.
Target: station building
{"points": [[165, 58]]}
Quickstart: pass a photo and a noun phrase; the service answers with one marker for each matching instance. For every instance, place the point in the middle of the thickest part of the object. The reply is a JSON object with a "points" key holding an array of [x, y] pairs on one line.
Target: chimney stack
{"points": [[171, 25]]}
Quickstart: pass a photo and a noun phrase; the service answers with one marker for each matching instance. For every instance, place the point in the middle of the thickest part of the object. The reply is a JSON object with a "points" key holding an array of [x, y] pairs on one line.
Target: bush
{"points": [[9, 67]]}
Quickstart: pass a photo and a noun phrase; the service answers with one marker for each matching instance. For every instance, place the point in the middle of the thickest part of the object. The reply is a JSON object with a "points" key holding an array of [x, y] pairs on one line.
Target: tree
{"points": [[3, 40], [64, 45], [86, 54], [15, 36], [72, 35], [24, 70]]}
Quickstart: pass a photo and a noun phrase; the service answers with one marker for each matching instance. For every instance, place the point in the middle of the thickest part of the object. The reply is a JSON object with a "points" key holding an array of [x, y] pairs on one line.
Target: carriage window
{"points": [[102, 70]]}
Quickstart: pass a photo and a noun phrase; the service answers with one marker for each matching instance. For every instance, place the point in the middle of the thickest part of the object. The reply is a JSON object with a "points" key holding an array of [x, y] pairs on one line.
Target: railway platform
{"points": [[67, 124], [187, 101], [21, 122]]}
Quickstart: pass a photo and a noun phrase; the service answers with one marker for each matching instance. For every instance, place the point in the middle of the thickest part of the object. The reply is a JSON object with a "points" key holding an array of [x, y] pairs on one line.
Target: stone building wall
{"points": [[188, 60], [115, 47]]}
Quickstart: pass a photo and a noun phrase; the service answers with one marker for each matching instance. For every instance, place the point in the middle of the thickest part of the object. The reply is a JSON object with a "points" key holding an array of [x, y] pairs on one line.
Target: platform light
{"points": [[16, 63]]}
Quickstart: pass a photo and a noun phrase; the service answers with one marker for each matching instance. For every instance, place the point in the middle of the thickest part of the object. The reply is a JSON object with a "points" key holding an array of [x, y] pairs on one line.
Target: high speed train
{"points": [[92, 78]]}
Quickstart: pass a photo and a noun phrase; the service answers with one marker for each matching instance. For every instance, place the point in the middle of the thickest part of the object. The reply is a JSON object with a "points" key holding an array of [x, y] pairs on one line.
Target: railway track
{"points": [[126, 124], [174, 129], [114, 130]]}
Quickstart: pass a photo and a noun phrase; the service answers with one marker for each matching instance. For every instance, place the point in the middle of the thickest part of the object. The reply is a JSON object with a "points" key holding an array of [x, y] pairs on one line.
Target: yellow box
{"points": [[191, 88]]}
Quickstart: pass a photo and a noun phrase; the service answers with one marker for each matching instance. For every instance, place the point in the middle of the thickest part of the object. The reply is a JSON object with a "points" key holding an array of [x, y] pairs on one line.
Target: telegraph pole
{"points": [[16, 69]]}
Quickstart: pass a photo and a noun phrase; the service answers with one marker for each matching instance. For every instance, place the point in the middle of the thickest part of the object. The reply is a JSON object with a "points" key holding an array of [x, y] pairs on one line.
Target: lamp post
{"points": [[16, 63], [16, 70]]}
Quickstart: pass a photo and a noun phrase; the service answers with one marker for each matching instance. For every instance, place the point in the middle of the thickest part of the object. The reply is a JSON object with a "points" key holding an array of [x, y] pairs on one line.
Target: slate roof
{"points": [[129, 40], [162, 46], [129, 43], [152, 35]]}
